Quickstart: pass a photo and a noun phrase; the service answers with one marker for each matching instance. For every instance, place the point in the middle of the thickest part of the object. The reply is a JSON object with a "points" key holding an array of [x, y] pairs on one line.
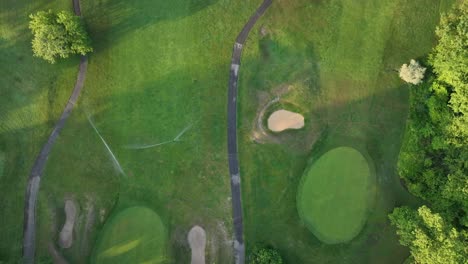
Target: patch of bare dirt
{"points": [[57, 258], [89, 219], [219, 244]]}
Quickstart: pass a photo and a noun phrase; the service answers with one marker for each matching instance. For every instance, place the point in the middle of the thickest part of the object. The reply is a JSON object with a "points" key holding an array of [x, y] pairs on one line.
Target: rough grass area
{"points": [[2, 163], [32, 96], [342, 56], [157, 67], [334, 195], [134, 235]]}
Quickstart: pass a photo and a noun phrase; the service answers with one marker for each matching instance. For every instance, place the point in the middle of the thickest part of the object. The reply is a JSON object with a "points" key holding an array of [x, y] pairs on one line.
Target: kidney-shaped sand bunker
{"points": [[334, 195]]}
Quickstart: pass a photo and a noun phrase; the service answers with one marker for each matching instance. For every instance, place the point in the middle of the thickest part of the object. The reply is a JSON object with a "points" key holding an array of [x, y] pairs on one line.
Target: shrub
{"points": [[412, 73], [265, 256]]}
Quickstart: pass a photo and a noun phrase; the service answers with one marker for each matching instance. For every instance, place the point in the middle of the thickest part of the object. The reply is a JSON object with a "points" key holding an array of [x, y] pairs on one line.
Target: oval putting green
{"points": [[135, 235], [334, 195]]}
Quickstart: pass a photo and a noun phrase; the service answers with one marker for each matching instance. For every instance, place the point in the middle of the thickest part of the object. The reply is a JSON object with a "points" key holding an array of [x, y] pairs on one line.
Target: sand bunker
{"points": [[66, 235], [197, 241], [284, 119]]}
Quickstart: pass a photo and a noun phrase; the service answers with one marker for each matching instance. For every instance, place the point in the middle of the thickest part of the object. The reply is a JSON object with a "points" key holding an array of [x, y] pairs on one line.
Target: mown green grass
{"points": [[2, 163], [342, 55], [32, 96], [161, 65], [157, 67], [134, 235], [335, 194]]}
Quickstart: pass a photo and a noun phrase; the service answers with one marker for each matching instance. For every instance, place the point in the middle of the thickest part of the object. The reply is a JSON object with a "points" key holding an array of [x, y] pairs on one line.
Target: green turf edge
{"points": [[115, 217], [315, 156]]}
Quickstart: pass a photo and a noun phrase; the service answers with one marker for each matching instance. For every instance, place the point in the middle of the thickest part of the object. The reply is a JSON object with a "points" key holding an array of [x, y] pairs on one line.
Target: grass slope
{"points": [[339, 57], [161, 65], [334, 195], [134, 235], [158, 67], [32, 96]]}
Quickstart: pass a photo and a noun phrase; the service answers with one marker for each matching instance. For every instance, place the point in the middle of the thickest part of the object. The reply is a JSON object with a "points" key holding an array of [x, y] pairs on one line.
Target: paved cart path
{"points": [[29, 227], [239, 249]]}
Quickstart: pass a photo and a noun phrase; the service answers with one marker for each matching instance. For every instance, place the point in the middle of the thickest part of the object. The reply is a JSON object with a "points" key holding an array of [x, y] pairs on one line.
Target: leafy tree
{"points": [[430, 238], [58, 35], [265, 256], [450, 56], [450, 61], [412, 73], [434, 158]]}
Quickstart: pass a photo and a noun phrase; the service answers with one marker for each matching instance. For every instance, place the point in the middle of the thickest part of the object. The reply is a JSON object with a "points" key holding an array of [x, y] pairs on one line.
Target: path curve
{"points": [[32, 189], [239, 249]]}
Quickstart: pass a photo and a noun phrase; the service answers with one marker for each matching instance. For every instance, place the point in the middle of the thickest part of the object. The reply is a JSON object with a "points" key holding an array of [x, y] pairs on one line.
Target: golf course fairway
{"points": [[334, 195], [135, 235]]}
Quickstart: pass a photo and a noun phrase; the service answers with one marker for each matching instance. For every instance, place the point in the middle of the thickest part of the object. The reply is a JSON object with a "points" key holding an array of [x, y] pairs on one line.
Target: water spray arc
{"points": [[114, 158]]}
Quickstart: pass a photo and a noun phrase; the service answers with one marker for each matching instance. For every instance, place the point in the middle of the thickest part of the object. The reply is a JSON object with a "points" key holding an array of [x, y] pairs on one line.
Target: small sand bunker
{"points": [[284, 119], [197, 241], [66, 235]]}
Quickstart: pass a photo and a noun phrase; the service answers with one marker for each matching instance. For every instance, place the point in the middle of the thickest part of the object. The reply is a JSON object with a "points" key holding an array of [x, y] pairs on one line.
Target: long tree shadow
{"points": [[151, 112], [381, 138], [110, 20], [278, 63], [374, 124]]}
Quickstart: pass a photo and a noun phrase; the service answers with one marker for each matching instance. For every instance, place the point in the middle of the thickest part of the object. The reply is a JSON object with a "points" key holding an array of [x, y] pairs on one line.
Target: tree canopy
{"points": [[450, 62], [430, 238], [434, 158], [58, 35], [265, 256]]}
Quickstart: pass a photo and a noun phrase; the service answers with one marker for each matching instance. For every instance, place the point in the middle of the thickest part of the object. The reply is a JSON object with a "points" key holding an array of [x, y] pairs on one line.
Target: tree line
{"points": [[434, 158]]}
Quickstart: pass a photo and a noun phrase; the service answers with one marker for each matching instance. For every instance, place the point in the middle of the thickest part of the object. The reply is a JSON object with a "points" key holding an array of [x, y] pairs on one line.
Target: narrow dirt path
{"points": [[239, 249], [32, 191]]}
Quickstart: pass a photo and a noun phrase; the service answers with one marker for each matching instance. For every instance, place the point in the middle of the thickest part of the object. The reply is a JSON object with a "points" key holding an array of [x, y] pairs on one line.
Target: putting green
{"points": [[334, 195], [135, 235]]}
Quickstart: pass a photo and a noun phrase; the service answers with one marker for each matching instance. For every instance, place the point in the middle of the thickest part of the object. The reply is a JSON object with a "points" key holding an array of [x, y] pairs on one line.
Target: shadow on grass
{"points": [[270, 188], [108, 21], [279, 64]]}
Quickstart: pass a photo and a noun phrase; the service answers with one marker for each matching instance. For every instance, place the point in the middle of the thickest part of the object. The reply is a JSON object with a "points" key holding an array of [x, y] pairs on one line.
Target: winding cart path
{"points": [[239, 249], [29, 228]]}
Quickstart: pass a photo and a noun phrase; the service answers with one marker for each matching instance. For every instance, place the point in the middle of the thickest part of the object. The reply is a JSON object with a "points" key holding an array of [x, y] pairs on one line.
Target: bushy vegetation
{"points": [[58, 35], [434, 160], [431, 238], [265, 256]]}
